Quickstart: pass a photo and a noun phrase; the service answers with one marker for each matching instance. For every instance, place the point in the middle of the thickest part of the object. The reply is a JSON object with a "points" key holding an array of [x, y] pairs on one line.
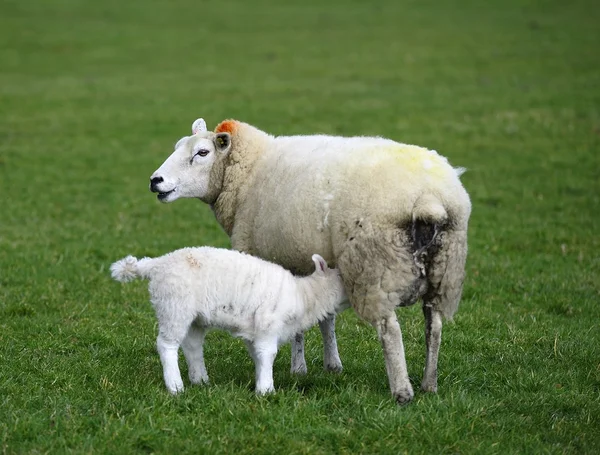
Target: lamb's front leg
{"points": [[193, 350], [168, 350], [331, 356], [263, 352]]}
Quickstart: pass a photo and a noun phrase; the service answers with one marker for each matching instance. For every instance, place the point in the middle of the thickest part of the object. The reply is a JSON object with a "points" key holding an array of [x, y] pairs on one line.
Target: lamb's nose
{"points": [[154, 181]]}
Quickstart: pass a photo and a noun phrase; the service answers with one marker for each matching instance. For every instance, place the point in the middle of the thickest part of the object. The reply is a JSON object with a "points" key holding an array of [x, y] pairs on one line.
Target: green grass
{"points": [[94, 94]]}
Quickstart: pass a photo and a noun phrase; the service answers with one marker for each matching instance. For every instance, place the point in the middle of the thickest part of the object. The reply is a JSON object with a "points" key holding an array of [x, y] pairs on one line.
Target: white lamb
{"points": [[195, 289], [391, 217]]}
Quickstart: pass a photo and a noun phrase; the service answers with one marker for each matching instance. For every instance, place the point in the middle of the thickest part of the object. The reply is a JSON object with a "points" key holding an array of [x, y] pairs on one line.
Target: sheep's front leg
{"points": [[168, 352], [298, 360], [331, 356], [263, 352], [390, 336], [433, 338], [193, 350]]}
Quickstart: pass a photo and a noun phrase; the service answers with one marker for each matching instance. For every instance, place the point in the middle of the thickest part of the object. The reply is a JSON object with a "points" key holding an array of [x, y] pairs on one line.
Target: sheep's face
{"points": [[193, 169]]}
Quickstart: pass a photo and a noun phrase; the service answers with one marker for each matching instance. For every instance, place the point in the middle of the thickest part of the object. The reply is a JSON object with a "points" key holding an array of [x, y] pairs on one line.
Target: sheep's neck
{"points": [[248, 145]]}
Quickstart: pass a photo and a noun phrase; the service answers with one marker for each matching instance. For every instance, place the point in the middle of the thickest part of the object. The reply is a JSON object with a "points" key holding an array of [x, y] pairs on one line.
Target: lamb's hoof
{"points": [[175, 387], [404, 397], [265, 391]]}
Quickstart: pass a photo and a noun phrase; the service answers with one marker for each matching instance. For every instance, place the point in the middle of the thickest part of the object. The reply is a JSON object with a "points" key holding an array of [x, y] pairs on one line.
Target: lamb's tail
{"points": [[127, 269]]}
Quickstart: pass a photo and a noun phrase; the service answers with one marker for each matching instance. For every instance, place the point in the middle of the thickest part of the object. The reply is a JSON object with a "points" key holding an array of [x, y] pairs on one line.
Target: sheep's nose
{"points": [[154, 181]]}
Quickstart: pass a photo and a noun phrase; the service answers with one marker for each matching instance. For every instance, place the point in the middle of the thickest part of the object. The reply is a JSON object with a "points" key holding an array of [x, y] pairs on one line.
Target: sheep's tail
{"points": [[129, 269], [440, 250], [429, 208]]}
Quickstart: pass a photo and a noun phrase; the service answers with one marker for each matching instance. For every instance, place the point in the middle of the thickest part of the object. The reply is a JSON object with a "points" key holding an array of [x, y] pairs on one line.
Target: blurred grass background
{"points": [[93, 95]]}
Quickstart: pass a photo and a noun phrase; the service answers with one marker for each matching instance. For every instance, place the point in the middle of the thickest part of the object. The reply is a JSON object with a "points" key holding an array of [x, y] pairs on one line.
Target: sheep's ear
{"points": [[223, 142], [320, 263], [198, 126], [180, 141]]}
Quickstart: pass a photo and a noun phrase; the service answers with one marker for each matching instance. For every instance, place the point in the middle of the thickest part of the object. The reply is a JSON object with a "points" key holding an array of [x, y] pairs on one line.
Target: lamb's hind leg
{"points": [[168, 349], [263, 352], [193, 349], [172, 330]]}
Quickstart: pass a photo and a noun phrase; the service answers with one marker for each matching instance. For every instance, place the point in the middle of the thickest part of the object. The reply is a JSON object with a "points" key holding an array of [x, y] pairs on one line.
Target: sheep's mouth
{"points": [[163, 196]]}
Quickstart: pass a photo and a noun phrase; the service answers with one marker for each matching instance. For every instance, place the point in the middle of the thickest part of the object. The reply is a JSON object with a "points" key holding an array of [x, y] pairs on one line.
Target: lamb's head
{"points": [[329, 279], [195, 169]]}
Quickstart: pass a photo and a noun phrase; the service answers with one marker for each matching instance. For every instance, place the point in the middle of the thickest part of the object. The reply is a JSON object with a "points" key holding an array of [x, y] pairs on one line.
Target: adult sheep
{"points": [[391, 217]]}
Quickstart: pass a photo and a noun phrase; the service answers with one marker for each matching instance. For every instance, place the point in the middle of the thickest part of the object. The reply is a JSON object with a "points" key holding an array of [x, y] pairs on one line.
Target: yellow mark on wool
{"points": [[418, 160]]}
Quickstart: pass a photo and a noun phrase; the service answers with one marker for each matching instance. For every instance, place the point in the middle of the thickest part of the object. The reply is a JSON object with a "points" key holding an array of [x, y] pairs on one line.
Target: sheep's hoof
{"points": [[429, 387], [334, 367], [199, 380], [299, 368], [404, 397]]}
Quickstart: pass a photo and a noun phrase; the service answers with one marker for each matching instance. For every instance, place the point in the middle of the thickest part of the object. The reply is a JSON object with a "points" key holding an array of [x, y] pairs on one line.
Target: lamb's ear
{"points": [[320, 263], [223, 142]]}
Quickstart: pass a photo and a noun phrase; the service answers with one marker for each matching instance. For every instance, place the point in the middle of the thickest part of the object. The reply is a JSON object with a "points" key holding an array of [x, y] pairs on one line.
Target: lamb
{"points": [[391, 217], [195, 289]]}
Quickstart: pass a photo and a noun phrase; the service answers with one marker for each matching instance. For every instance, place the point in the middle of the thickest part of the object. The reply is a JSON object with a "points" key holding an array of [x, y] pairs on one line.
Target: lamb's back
{"points": [[224, 288]]}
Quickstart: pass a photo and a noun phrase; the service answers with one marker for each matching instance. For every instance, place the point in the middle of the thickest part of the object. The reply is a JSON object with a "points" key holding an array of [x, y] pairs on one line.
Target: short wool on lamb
{"points": [[196, 289]]}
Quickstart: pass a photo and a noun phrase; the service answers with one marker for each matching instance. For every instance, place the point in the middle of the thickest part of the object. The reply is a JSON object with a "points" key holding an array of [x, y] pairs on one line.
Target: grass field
{"points": [[93, 96]]}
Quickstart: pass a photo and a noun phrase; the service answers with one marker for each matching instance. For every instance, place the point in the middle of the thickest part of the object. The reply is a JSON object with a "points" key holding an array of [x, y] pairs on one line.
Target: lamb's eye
{"points": [[203, 152]]}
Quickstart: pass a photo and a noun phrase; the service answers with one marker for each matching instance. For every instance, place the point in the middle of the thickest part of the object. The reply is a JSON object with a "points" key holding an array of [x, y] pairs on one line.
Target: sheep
{"points": [[391, 217], [196, 289]]}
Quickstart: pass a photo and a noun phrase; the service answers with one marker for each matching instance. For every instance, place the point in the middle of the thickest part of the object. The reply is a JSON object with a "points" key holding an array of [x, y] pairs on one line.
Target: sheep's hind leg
{"points": [[298, 360], [263, 352], [433, 339], [390, 335], [331, 356], [168, 351], [193, 350]]}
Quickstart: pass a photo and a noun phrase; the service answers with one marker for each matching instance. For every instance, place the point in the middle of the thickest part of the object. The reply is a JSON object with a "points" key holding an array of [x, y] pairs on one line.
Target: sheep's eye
{"points": [[203, 152]]}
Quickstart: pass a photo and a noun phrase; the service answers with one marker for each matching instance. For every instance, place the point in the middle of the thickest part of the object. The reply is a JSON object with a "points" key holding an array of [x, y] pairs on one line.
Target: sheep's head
{"points": [[195, 168]]}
